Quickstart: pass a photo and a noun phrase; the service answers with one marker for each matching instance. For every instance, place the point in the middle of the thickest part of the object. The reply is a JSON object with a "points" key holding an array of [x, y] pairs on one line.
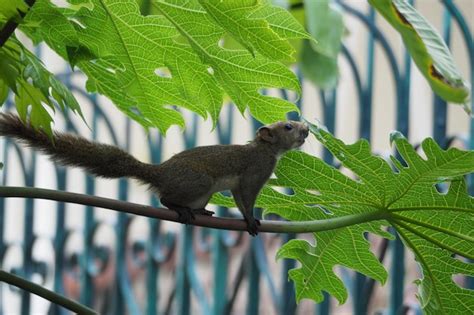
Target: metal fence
{"points": [[195, 270]]}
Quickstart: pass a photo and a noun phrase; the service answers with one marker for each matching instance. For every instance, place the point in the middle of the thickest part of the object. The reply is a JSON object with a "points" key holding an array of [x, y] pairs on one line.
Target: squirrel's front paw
{"points": [[252, 226]]}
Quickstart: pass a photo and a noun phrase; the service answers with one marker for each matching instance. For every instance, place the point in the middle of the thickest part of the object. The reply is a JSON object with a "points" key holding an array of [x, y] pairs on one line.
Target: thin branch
{"points": [[11, 25], [45, 293], [201, 220]]}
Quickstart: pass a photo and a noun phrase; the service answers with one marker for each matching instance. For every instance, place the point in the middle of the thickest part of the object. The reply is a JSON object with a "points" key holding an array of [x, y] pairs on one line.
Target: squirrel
{"points": [[185, 182]]}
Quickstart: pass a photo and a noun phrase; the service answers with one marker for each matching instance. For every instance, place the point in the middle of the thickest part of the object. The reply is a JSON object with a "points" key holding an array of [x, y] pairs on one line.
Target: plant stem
{"points": [[45, 293], [201, 220]]}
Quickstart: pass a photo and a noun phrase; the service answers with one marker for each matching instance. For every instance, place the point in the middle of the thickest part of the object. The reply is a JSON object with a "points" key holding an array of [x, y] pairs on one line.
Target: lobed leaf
{"points": [[241, 74], [150, 66], [434, 224]]}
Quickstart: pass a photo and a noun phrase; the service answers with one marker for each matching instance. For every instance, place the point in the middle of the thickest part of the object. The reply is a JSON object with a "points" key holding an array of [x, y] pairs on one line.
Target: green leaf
{"points": [[246, 21], [282, 22], [46, 22], [3, 92], [438, 293], [35, 88], [30, 102], [10, 10], [433, 225], [322, 70], [324, 22], [150, 65], [10, 65], [319, 60], [240, 73], [427, 48]]}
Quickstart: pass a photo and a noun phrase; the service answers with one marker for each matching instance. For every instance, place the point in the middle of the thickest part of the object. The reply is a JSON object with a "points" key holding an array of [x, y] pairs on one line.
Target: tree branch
{"points": [[11, 25], [45, 293], [201, 220]]}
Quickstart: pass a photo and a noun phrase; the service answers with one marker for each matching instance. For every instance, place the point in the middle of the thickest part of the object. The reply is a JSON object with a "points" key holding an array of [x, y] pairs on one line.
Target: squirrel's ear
{"points": [[265, 134]]}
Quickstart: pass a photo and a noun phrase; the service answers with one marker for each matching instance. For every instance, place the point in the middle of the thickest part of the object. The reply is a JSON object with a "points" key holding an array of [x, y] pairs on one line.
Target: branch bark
{"points": [[11, 25], [204, 221]]}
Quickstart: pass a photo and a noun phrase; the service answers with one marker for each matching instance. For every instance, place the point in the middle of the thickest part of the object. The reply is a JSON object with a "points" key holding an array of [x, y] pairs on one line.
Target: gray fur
{"points": [[186, 181]]}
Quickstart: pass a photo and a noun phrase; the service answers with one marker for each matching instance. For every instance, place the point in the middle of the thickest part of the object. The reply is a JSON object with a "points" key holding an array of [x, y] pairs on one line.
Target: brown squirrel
{"points": [[186, 181]]}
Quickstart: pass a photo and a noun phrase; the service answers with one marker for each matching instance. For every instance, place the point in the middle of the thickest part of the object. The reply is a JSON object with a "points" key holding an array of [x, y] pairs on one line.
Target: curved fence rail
{"points": [[188, 270]]}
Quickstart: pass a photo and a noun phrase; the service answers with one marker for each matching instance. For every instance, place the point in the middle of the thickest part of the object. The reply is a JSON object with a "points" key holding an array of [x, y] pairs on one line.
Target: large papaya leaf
{"points": [[433, 225], [427, 48], [146, 69], [240, 73], [243, 29]]}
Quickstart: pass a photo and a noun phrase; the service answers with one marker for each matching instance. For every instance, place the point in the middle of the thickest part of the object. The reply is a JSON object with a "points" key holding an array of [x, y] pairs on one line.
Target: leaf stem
{"points": [[45, 293], [201, 220]]}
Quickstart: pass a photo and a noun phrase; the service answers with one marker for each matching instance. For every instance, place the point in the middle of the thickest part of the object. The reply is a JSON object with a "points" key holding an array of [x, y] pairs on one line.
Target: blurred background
{"points": [[122, 264]]}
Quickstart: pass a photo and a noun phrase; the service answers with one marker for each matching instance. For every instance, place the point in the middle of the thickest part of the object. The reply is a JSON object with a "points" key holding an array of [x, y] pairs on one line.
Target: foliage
{"points": [[433, 225], [35, 87], [150, 66], [319, 61], [147, 65], [10, 10], [427, 48]]}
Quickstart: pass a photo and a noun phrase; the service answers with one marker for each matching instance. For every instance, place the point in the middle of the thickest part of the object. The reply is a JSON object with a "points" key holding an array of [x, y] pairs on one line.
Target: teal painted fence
{"points": [[183, 249]]}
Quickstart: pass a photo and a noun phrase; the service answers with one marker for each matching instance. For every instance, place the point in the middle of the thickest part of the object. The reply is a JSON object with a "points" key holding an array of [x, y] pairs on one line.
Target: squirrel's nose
{"points": [[305, 131]]}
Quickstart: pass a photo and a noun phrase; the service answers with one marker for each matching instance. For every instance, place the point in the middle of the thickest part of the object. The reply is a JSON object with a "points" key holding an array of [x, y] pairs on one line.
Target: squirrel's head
{"points": [[283, 135]]}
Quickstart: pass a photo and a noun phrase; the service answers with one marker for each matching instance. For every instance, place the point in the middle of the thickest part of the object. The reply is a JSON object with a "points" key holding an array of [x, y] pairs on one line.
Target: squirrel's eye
{"points": [[288, 127]]}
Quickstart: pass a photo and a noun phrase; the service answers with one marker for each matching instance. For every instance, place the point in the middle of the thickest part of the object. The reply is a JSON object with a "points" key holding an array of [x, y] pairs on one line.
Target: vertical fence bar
{"points": [[154, 225], [397, 272], [220, 254], [328, 101], [288, 301], [125, 300], [87, 288], [253, 273], [28, 236], [220, 261], [183, 285], [59, 239], [365, 132], [3, 246], [152, 269], [253, 296]]}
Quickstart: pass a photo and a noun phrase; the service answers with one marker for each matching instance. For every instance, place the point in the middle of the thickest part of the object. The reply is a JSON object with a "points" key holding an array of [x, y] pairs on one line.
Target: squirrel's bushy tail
{"points": [[96, 158]]}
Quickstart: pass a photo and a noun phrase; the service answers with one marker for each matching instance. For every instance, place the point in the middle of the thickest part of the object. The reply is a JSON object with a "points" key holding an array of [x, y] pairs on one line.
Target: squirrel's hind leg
{"points": [[185, 214]]}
